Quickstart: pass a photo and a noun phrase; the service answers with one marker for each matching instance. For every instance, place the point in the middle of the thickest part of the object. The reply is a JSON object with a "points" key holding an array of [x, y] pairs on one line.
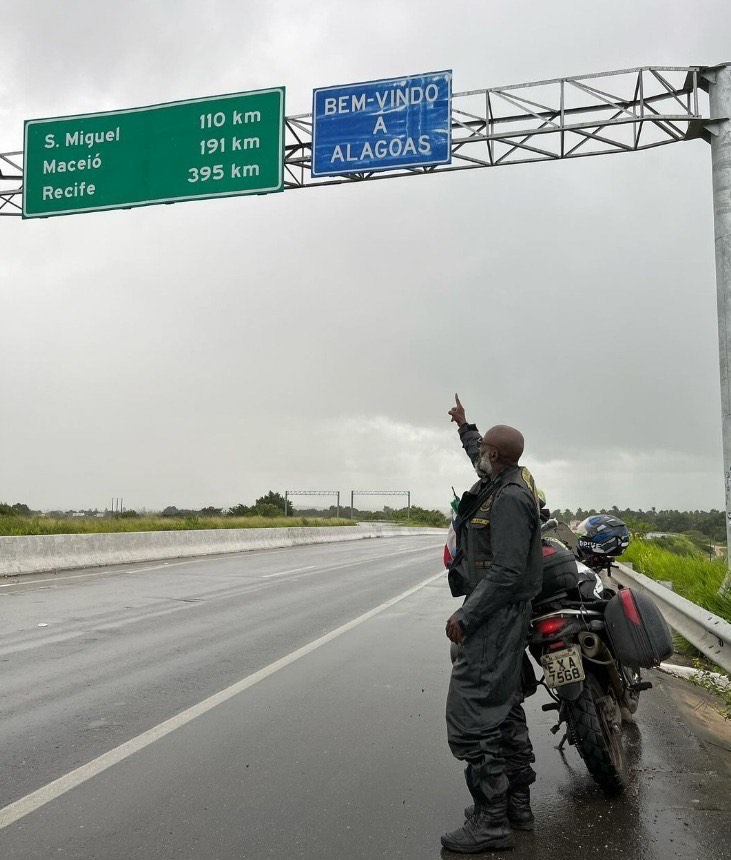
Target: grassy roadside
{"points": [[16, 526], [677, 560]]}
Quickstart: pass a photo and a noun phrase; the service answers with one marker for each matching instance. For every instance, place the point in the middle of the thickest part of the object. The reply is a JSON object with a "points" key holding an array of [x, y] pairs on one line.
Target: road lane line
{"points": [[285, 572], [31, 802]]}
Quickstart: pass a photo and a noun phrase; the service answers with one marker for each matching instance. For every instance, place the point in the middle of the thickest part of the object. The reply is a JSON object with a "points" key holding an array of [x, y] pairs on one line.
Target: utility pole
{"points": [[718, 83]]}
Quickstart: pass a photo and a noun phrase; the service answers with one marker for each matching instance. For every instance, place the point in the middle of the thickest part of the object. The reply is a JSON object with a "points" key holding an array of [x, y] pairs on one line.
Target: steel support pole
{"points": [[719, 92], [338, 504], [408, 509], [352, 492], [286, 494]]}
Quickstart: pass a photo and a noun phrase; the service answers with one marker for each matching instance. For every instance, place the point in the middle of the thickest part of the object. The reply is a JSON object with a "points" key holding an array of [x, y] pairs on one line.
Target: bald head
{"points": [[507, 441]]}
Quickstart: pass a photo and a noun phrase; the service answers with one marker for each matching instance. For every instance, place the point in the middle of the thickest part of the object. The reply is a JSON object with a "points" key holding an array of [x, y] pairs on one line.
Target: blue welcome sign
{"points": [[382, 125]]}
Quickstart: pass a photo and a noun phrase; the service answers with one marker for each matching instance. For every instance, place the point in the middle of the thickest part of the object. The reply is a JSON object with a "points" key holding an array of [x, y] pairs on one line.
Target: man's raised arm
{"points": [[469, 435]]}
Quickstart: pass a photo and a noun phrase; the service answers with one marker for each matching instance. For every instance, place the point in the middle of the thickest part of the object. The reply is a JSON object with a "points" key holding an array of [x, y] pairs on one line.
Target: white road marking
{"points": [[15, 811], [285, 572]]}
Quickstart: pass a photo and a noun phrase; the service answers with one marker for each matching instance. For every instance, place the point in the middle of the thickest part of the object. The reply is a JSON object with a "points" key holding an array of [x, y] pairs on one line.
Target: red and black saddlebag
{"points": [[639, 635]]}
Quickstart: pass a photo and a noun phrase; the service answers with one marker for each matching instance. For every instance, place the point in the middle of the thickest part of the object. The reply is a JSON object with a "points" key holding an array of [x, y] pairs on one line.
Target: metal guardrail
{"points": [[710, 634]]}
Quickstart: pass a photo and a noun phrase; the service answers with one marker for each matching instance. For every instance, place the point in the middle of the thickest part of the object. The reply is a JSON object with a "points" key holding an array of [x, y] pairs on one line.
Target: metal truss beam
{"points": [[381, 492], [553, 120], [11, 183], [312, 492]]}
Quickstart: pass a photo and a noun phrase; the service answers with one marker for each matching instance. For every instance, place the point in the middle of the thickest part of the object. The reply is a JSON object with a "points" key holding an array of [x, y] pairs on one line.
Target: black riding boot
{"points": [[520, 815], [487, 829]]}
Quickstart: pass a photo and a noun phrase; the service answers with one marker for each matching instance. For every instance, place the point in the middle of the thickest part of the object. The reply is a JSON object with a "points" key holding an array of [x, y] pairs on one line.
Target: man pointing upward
{"points": [[498, 569]]}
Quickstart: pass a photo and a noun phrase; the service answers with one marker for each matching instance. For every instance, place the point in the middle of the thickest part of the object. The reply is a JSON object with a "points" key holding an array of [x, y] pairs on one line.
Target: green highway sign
{"points": [[212, 147]]}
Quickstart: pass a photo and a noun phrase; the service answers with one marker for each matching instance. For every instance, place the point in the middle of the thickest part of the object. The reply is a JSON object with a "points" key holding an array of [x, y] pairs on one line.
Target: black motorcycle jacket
{"points": [[470, 438], [499, 559]]}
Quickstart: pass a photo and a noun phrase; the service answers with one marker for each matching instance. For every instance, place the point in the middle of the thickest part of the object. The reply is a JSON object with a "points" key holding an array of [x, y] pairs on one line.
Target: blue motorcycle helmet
{"points": [[602, 534]]}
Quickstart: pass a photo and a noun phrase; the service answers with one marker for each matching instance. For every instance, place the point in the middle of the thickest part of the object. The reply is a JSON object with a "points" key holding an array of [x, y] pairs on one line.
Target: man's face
{"points": [[488, 454]]}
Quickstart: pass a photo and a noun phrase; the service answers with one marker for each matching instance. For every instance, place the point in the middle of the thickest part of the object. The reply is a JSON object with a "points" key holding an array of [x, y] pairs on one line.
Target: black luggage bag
{"points": [[640, 636], [560, 573]]}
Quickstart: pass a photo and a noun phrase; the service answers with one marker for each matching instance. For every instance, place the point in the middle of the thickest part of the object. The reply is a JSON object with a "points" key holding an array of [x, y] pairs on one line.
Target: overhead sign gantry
{"points": [[288, 493], [551, 120], [407, 493]]}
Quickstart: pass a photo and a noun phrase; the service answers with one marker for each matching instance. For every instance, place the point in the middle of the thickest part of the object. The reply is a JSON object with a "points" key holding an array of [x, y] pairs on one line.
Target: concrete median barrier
{"points": [[44, 553]]}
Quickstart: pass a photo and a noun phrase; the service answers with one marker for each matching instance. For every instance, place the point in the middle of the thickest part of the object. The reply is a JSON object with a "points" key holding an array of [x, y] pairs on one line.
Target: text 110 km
{"points": [[218, 119], [161, 154]]}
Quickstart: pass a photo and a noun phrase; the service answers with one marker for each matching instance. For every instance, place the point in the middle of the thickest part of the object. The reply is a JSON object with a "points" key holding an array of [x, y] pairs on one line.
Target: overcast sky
{"points": [[206, 352]]}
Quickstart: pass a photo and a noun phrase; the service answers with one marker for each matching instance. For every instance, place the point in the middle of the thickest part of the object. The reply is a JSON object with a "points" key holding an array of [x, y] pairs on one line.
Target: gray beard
{"points": [[484, 467]]}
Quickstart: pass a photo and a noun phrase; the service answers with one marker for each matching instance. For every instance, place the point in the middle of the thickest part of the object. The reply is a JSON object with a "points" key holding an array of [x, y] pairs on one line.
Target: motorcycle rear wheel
{"points": [[598, 741]]}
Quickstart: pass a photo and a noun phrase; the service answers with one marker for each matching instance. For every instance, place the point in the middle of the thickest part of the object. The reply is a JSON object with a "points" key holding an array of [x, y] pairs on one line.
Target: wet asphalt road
{"points": [[340, 753]]}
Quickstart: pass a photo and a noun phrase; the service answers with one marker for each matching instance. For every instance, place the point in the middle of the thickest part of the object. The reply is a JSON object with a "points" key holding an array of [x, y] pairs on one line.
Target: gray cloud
{"points": [[205, 353]]}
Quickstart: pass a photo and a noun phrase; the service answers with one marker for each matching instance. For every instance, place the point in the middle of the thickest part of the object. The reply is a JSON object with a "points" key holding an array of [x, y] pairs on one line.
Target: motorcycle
{"points": [[592, 642]]}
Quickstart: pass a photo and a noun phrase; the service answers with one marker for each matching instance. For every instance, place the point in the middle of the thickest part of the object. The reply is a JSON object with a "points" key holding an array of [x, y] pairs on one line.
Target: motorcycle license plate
{"points": [[563, 667]]}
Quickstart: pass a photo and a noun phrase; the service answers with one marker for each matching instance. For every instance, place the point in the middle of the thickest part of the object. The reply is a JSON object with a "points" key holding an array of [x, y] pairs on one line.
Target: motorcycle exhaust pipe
{"points": [[594, 648], [591, 645]]}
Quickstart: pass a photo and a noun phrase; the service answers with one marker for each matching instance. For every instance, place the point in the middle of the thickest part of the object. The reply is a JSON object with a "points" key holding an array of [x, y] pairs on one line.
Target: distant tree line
{"points": [[709, 523], [273, 505], [270, 505], [16, 510], [21, 510], [416, 516]]}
